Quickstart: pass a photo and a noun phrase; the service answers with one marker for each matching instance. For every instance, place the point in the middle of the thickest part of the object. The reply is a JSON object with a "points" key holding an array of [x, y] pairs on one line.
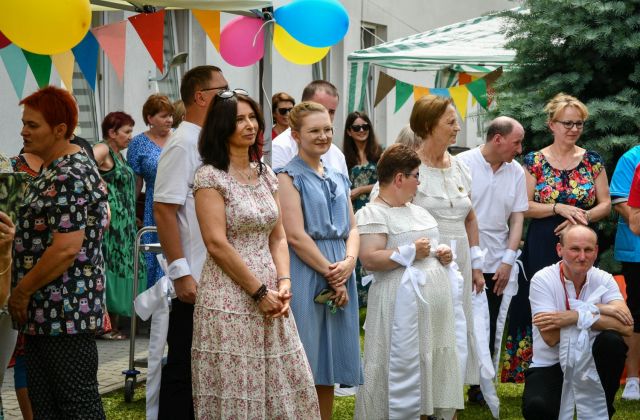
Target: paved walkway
{"points": [[113, 357]]}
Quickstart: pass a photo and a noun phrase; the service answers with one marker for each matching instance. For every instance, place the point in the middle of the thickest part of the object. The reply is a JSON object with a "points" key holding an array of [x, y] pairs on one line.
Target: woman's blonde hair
{"points": [[407, 137], [560, 102], [300, 111]]}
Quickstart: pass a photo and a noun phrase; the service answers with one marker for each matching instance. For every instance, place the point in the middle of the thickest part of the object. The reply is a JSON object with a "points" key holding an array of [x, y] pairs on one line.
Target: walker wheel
{"points": [[129, 388]]}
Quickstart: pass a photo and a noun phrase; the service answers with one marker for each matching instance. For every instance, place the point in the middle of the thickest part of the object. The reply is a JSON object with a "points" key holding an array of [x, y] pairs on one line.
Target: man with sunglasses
{"points": [[284, 148], [179, 233], [499, 197]]}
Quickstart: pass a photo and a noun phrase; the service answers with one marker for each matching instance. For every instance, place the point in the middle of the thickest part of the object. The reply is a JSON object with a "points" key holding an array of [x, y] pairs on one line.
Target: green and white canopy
{"points": [[473, 46]]}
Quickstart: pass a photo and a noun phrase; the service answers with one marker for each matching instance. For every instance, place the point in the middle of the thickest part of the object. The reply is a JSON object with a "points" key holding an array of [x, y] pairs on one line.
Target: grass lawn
{"points": [[510, 396]]}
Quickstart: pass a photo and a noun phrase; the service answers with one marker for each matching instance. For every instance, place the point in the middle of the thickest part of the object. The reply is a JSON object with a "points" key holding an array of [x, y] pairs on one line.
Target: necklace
{"points": [[385, 201], [248, 176]]}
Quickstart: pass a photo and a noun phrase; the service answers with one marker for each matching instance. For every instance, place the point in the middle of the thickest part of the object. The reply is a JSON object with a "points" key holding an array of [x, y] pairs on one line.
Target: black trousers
{"points": [[494, 302], [631, 272], [176, 398], [62, 373], [543, 385]]}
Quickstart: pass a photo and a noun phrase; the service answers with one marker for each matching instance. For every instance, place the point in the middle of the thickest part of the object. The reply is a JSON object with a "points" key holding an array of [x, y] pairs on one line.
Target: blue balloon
{"points": [[316, 23]]}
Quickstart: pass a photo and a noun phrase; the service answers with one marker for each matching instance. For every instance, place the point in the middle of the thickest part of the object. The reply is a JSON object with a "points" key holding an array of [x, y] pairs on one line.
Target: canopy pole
{"points": [[266, 84]]}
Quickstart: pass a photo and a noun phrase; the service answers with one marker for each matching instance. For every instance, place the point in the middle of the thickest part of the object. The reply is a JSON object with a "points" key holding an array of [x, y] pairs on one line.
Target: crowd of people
{"points": [[270, 265]]}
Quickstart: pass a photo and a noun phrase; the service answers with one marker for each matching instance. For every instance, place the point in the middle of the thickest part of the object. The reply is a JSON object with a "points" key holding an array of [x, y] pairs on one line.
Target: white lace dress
{"points": [[430, 346], [445, 193]]}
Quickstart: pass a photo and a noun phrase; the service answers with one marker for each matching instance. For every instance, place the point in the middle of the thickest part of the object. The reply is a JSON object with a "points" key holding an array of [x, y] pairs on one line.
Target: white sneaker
{"points": [[631, 390]]}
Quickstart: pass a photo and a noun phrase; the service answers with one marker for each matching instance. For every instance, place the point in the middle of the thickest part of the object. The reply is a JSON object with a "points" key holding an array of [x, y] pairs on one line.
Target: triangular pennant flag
{"points": [[440, 92], [86, 53], [112, 39], [478, 89], [210, 22], [64, 62], [493, 76], [464, 78], [16, 65], [419, 92], [460, 96], [403, 92], [385, 84], [150, 29], [40, 67]]}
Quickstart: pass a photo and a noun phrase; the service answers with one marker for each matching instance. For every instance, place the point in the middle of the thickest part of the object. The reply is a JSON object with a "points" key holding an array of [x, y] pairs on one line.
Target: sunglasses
{"points": [[226, 94], [357, 128], [284, 111]]}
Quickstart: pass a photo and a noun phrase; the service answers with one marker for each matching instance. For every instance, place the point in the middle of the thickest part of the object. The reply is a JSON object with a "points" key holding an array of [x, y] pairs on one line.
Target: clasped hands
{"points": [[276, 304]]}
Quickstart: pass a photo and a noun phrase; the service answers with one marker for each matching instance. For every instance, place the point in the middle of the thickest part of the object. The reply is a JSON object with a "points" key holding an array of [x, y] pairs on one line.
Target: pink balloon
{"points": [[4, 41], [237, 41]]}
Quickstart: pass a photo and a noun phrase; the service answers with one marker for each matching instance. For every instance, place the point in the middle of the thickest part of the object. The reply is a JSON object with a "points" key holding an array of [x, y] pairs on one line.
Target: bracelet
{"points": [[588, 216], [3, 272], [260, 293], [284, 278], [554, 208], [509, 257]]}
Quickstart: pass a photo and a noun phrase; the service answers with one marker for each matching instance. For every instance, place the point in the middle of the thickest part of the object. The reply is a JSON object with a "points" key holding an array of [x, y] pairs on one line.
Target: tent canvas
{"points": [[222, 5], [475, 45]]}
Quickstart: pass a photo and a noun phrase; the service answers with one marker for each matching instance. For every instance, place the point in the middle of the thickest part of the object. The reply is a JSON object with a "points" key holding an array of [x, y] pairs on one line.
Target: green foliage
{"points": [[586, 48]]}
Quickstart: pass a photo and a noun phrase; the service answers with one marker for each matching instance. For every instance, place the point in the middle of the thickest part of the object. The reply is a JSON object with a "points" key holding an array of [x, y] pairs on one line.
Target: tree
{"points": [[586, 48]]}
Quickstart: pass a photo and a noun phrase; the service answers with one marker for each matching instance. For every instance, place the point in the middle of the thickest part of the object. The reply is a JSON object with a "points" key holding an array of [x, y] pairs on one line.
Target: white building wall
{"points": [[398, 18]]}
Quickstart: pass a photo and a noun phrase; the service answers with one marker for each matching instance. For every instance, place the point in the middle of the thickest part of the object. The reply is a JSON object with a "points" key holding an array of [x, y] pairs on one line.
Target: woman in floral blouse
{"points": [[566, 185], [361, 152]]}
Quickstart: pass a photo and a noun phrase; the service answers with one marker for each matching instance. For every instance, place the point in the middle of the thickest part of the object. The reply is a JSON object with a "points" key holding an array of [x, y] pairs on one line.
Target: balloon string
{"points": [[255, 38]]}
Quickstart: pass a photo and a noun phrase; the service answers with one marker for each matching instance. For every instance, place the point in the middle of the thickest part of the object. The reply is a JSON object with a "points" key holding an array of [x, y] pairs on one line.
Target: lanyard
{"points": [[564, 286]]}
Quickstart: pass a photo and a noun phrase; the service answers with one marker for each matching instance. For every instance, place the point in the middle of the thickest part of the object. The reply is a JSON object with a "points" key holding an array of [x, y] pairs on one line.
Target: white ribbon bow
{"points": [[405, 256]]}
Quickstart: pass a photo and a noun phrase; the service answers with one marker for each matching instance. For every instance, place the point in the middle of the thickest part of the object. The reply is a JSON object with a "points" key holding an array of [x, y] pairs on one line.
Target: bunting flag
{"points": [[403, 92], [479, 88], [40, 67], [63, 63], [460, 96], [210, 22], [86, 54], [419, 92], [385, 84], [112, 39], [150, 29], [4, 41], [16, 65]]}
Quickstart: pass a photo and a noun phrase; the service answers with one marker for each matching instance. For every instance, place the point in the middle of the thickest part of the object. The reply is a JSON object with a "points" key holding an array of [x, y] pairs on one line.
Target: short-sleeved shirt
{"points": [[634, 193], [66, 197], [284, 148], [627, 244], [177, 166], [548, 295], [575, 187], [495, 195]]}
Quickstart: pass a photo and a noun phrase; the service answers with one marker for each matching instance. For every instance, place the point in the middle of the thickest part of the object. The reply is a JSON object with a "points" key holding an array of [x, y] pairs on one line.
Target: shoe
{"points": [[474, 395], [631, 390]]}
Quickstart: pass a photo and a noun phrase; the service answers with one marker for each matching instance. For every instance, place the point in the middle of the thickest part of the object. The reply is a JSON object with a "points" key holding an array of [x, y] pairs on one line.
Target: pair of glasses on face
{"points": [[284, 111], [215, 88], [570, 124], [357, 128], [226, 94], [416, 175]]}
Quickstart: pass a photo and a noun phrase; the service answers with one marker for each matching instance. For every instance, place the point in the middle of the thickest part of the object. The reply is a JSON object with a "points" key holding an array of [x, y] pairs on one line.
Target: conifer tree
{"points": [[586, 48]]}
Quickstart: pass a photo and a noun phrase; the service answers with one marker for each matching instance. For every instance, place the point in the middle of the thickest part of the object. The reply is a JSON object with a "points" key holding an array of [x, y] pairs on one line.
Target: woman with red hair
{"points": [[58, 266]]}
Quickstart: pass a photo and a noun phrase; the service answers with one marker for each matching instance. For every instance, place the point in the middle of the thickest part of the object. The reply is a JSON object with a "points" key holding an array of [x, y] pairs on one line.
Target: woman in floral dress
{"points": [[361, 152], [247, 359], [566, 184]]}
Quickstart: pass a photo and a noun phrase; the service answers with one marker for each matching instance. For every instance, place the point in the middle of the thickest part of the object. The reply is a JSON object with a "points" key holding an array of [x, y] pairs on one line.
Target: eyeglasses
{"points": [[570, 124], [357, 128], [284, 111], [214, 88], [226, 94], [416, 175]]}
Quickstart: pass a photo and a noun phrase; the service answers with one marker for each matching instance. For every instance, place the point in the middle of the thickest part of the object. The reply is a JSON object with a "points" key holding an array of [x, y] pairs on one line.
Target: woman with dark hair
{"points": [[142, 155], [281, 104], [247, 359], [119, 239], [361, 152]]}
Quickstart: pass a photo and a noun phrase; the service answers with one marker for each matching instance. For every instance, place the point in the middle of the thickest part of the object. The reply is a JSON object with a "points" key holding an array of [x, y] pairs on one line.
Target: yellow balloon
{"points": [[295, 51], [45, 26]]}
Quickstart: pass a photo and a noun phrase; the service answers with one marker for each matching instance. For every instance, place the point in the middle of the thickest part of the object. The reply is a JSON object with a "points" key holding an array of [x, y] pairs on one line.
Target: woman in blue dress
{"points": [[143, 154], [323, 243]]}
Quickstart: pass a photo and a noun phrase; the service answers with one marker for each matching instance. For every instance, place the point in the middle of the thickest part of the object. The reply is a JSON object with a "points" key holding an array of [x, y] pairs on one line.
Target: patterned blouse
{"points": [[575, 187], [67, 196], [360, 176]]}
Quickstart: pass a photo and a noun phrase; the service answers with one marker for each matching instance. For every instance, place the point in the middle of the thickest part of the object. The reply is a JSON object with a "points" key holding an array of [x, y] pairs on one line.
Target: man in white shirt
{"points": [[179, 233], [552, 288], [499, 197], [284, 148]]}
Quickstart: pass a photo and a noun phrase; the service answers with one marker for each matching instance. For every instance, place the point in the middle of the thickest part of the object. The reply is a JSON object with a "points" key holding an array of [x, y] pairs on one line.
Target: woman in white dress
{"points": [[445, 188], [410, 357]]}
